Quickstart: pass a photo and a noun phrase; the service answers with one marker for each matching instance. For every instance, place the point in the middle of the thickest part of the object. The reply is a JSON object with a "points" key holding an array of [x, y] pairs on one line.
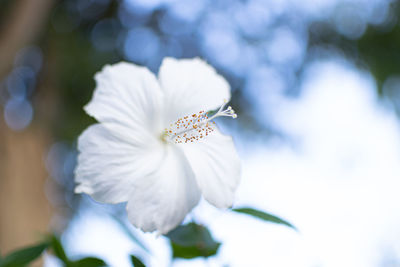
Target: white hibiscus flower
{"points": [[154, 146]]}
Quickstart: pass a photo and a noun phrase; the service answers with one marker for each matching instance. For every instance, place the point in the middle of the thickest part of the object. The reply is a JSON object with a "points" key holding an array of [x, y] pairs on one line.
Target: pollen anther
{"points": [[187, 130]]}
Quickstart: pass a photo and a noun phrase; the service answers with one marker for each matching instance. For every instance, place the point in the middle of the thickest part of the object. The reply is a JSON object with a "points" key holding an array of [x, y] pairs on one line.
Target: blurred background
{"points": [[316, 85]]}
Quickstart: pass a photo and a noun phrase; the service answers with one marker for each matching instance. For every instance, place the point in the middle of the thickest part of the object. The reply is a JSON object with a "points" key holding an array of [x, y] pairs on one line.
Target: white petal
{"points": [[108, 166], [127, 96], [191, 85], [161, 200], [216, 165]]}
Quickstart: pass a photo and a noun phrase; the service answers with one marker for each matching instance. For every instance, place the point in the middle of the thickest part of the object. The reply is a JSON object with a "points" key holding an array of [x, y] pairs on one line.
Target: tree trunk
{"points": [[24, 209]]}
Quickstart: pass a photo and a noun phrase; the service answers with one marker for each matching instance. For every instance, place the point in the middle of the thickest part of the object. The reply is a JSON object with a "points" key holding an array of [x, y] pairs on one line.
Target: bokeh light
{"points": [[18, 114], [316, 85]]}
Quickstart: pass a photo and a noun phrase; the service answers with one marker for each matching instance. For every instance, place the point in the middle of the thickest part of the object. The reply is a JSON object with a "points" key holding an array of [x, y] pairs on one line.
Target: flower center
{"points": [[196, 126]]}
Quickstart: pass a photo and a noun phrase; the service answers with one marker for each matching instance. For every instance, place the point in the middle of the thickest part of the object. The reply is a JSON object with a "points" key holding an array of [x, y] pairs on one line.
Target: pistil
{"points": [[195, 127]]}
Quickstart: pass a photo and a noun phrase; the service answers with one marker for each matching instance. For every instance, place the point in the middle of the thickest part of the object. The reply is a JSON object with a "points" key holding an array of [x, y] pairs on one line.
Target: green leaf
{"points": [[191, 241], [23, 256], [136, 262], [58, 249], [88, 262], [264, 216]]}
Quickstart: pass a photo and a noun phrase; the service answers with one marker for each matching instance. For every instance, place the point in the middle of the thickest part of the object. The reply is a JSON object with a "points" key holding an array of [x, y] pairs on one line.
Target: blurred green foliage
{"points": [[23, 256], [87, 262], [59, 252], [377, 50], [4, 9], [74, 61], [58, 249], [263, 216], [191, 241], [136, 262], [187, 241]]}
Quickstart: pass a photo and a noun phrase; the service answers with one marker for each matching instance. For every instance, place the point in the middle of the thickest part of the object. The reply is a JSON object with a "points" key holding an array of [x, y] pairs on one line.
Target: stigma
{"points": [[195, 127]]}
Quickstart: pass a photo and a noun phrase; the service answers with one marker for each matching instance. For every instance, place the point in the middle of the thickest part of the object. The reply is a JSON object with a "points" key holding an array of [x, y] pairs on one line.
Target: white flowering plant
{"points": [[157, 148]]}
